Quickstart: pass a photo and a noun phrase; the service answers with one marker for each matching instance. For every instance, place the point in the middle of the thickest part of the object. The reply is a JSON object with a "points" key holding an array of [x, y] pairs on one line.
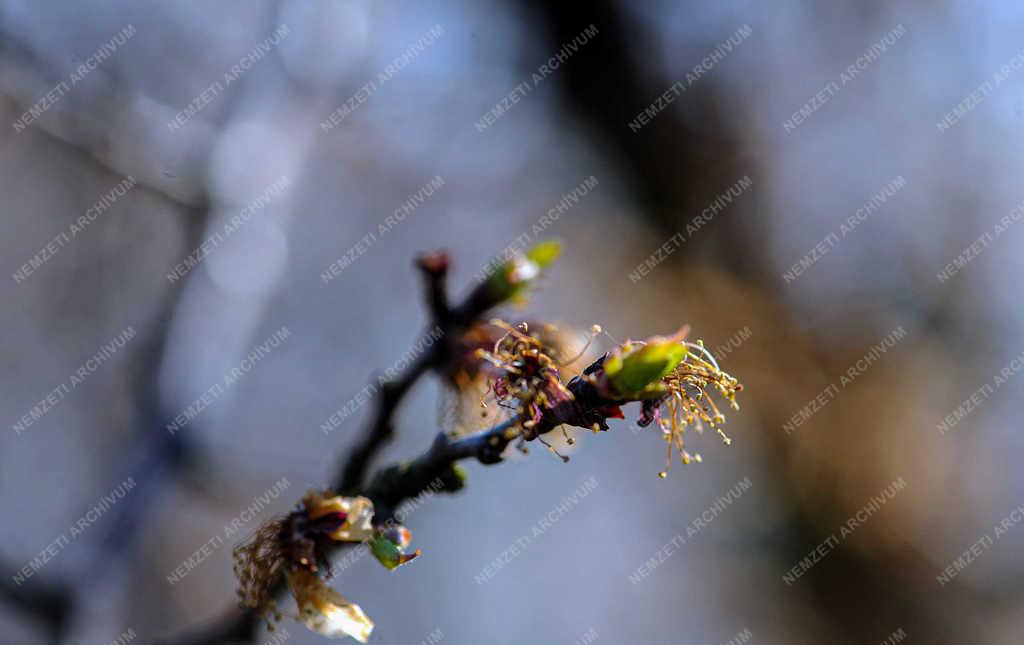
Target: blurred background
{"points": [[184, 180]]}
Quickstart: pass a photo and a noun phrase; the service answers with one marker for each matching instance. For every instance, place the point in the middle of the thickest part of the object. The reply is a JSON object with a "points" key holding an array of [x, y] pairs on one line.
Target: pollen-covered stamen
{"points": [[529, 380], [689, 401], [594, 331], [564, 458]]}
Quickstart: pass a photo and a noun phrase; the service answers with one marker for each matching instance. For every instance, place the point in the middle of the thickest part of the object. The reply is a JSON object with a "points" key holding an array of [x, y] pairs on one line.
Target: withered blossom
{"points": [[295, 547], [469, 377], [528, 379], [324, 610]]}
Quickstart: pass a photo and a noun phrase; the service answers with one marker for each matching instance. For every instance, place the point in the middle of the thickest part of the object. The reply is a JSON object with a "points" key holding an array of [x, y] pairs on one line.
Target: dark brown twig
{"points": [[394, 484], [390, 487], [451, 322]]}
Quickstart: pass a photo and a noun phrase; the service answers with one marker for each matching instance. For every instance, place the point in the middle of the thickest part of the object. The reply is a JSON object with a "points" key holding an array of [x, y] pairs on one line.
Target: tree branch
{"points": [[389, 487], [394, 484], [451, 323]]}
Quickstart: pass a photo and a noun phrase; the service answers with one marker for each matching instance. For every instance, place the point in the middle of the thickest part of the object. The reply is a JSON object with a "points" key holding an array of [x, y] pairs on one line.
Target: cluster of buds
{"points": [[660, 372], [685, 393], [295, 547]]}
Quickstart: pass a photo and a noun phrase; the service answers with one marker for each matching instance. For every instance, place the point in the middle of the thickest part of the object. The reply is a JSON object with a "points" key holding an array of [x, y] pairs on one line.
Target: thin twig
{"points": [[390, 486], [451, 322], [396, 483]]}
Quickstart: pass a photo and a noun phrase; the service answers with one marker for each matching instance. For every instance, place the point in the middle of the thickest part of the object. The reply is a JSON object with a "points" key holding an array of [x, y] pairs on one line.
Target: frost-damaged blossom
{"points": [[324, 610], [474, 366], [507, 279], [295, 547], [527, 380], [659, 372]]}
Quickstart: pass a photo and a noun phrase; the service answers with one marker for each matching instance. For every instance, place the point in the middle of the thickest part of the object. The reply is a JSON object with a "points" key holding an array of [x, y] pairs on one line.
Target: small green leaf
{"points": [[613, 364], [390, 554], [513, 277], [545, 253], [638, 370]]}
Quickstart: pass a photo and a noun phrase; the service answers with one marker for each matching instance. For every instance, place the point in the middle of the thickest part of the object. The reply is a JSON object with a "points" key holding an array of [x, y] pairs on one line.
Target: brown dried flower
{"points": [[295, 547]]}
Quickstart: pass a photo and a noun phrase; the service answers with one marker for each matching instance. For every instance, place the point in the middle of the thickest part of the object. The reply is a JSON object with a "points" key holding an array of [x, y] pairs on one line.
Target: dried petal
{"points": [[325, 611], [355, 515]]}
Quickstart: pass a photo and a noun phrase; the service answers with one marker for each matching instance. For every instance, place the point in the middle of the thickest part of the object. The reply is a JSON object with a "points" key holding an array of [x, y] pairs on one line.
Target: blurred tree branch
{"points": [[156, 457]]}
